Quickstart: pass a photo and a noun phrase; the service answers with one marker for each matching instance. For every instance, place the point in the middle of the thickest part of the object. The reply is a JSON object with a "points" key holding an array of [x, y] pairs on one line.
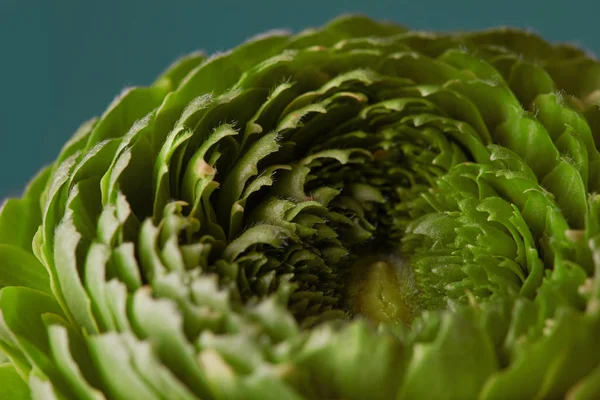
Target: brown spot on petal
{"points": [[204, 168]]}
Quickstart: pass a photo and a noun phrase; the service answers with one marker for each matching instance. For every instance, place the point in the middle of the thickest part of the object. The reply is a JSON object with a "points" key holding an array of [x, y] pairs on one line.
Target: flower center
{"points": [[382, 291]]}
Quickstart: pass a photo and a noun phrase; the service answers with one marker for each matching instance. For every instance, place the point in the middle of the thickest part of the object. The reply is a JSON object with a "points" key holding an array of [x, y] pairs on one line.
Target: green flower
{"points": [[355, 212]]}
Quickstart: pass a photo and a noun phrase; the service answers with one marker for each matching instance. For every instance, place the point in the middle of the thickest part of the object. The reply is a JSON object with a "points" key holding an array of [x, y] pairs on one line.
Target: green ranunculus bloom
{"points": [[355, 212]]}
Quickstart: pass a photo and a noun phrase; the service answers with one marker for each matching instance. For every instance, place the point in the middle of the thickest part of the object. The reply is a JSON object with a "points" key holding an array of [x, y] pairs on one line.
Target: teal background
{"points": [[62, 62]]}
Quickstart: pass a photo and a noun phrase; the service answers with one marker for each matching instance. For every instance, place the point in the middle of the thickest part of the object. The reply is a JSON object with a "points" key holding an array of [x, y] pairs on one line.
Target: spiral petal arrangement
{"points": [[355, 212]]}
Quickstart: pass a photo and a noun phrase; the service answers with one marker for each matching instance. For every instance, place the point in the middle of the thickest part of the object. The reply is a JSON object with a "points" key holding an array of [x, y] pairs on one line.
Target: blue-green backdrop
{"points": [[62, 62]]}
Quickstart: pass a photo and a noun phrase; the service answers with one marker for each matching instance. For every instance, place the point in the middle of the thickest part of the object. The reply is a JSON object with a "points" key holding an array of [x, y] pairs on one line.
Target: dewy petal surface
{"points": [[359, 211]]}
